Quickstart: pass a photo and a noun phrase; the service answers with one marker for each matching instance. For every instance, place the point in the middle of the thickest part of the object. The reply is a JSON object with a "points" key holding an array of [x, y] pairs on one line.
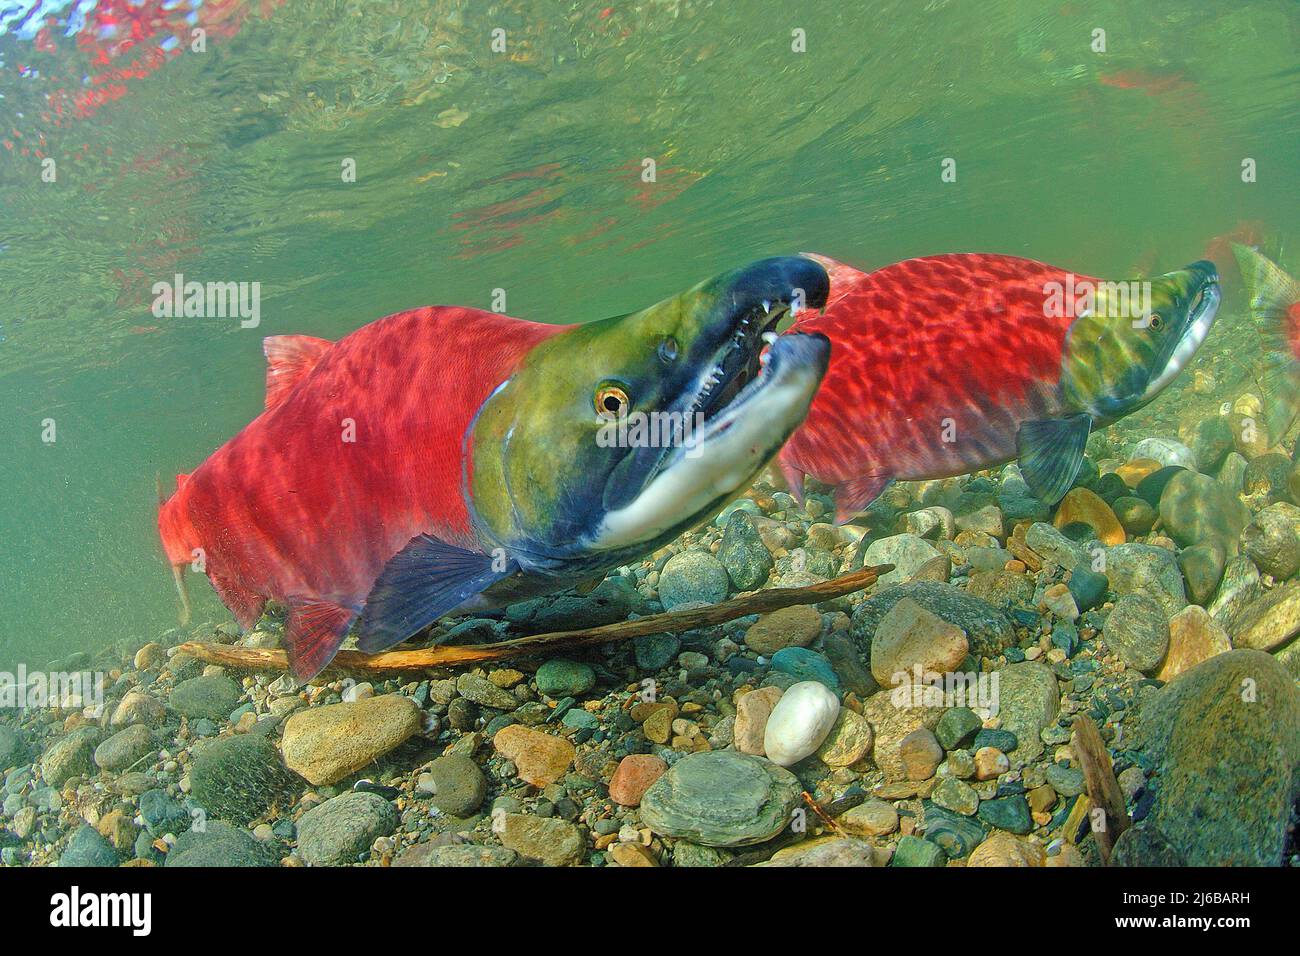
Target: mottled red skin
{"points": [[961, 337], [288, 511]]}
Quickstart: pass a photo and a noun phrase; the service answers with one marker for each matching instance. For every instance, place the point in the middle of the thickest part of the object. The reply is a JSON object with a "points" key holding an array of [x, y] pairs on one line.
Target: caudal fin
{"points": [[1275, 307]]}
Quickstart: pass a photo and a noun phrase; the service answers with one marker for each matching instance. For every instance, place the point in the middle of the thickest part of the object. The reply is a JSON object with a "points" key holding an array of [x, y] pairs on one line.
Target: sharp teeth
{"points": [[767, 306], [769, 337]]}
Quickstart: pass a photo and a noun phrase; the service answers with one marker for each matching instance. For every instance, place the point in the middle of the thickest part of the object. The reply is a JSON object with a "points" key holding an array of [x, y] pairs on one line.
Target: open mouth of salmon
{"points": [[739, 362], [1202, 307]]}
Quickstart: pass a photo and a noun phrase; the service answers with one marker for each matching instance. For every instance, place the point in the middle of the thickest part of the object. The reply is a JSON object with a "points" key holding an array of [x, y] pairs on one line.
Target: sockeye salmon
{"points": [[949, 364], [446, 458]]}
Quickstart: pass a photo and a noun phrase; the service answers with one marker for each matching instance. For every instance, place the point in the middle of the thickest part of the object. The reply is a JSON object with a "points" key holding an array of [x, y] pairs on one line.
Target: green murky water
{"points": [[522, 170]]}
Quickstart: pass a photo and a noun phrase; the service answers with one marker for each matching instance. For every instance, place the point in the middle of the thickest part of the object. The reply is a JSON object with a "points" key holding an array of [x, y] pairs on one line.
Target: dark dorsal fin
{"points": [[288, 359]]}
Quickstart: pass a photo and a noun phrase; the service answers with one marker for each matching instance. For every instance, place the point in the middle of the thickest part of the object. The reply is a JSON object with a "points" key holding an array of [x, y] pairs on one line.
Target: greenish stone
{"points": [[913, 851], [955, 833], [721, 798], [1007, 813], [219, 844], [1224, 739], [957, 796], [654, 651], [240, 778], [1028, 701], [88, 848], [957, 727], [1003, 740], [564, 678], [692, 576], [212, 697], [743, 553]]}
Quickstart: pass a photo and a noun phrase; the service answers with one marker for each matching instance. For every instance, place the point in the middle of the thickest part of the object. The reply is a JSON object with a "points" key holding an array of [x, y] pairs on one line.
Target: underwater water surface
{"points": [[358, 158]]}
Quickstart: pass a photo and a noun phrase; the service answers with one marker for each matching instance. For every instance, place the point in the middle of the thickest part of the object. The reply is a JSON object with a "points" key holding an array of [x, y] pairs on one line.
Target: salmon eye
{"points": [[611, 402], [1156, 321]]}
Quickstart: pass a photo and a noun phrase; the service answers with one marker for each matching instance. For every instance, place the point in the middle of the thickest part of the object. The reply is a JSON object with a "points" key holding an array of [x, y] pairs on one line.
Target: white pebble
{"points": [[800, 721]]}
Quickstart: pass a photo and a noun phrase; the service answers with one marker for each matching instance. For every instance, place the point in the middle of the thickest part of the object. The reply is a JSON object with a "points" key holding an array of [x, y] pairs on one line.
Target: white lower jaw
{"points": [[1191, 341], [731, 450]]}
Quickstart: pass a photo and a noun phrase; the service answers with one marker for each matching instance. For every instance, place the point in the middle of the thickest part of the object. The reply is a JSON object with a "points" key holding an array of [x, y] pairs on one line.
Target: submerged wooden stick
{"points": [[1103, 788], [669, 622]]}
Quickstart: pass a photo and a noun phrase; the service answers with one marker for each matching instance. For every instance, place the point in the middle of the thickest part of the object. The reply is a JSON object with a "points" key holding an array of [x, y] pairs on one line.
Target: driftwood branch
{"points": [[669, 622], [1103, 789]]}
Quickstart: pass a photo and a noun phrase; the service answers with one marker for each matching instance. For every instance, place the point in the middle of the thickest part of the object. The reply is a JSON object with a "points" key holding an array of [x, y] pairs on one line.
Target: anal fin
{"points": [[422, 582], [853, 496], [1051, 451], [313, 632]]}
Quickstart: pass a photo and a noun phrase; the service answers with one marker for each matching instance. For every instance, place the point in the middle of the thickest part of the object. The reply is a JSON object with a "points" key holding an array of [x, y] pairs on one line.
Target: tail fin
{"points": [[1275, 306]]}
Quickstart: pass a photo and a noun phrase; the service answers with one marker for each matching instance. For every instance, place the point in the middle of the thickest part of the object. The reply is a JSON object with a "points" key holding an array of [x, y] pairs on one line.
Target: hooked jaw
{"points": [[752, 390], [1197, 309]]}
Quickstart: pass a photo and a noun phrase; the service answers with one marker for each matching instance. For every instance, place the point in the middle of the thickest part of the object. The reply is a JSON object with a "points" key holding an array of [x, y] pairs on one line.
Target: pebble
{"points": [[752, 713], [213, 697], [326, 744], [795, 626], [1271, 620], [342, 828], [552, 841], [239, 778], [482, 691], [1194, 636], [1002, 849], [1028, 700], [872, 818], [912, 851], [1138, 631], [1083, 507], [743, 554], [920, 753], [799, 722], [634, 776], [805, 665], [990, 763], [910, 636], [721, 798], [692, 576], [124, 748], [957, 727], [957, 796], [541, 758], [1145, 569], [1224, 738], [563, 678], [1007, 813], [906, 552], [457, 785], [848, 742], [1272, 540]]}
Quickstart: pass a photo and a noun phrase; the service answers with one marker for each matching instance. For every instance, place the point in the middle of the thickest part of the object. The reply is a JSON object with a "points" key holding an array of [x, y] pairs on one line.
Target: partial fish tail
{"points": [[1275, 308]]}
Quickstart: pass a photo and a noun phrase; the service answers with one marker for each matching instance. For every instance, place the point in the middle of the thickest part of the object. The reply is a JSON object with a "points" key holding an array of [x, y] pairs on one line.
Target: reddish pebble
{"points": [[635, 774]]}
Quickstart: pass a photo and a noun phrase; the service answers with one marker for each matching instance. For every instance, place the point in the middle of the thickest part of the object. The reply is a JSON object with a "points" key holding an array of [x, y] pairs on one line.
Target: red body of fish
{"points": [[920, 348], [360, 448]]}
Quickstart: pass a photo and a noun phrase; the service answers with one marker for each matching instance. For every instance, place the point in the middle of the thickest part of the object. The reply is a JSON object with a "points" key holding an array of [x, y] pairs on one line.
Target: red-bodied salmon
{"points": [[447, 458], [949, 364]]}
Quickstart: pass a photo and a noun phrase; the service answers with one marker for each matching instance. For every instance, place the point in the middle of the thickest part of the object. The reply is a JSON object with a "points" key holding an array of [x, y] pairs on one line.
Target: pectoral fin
{"points": [[1051, 451], [421, 583]]}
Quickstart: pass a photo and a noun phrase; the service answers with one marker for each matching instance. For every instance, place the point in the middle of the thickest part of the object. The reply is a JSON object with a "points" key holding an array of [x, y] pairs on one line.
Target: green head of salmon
{"points": [[615, 436], [1134, 337]]}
